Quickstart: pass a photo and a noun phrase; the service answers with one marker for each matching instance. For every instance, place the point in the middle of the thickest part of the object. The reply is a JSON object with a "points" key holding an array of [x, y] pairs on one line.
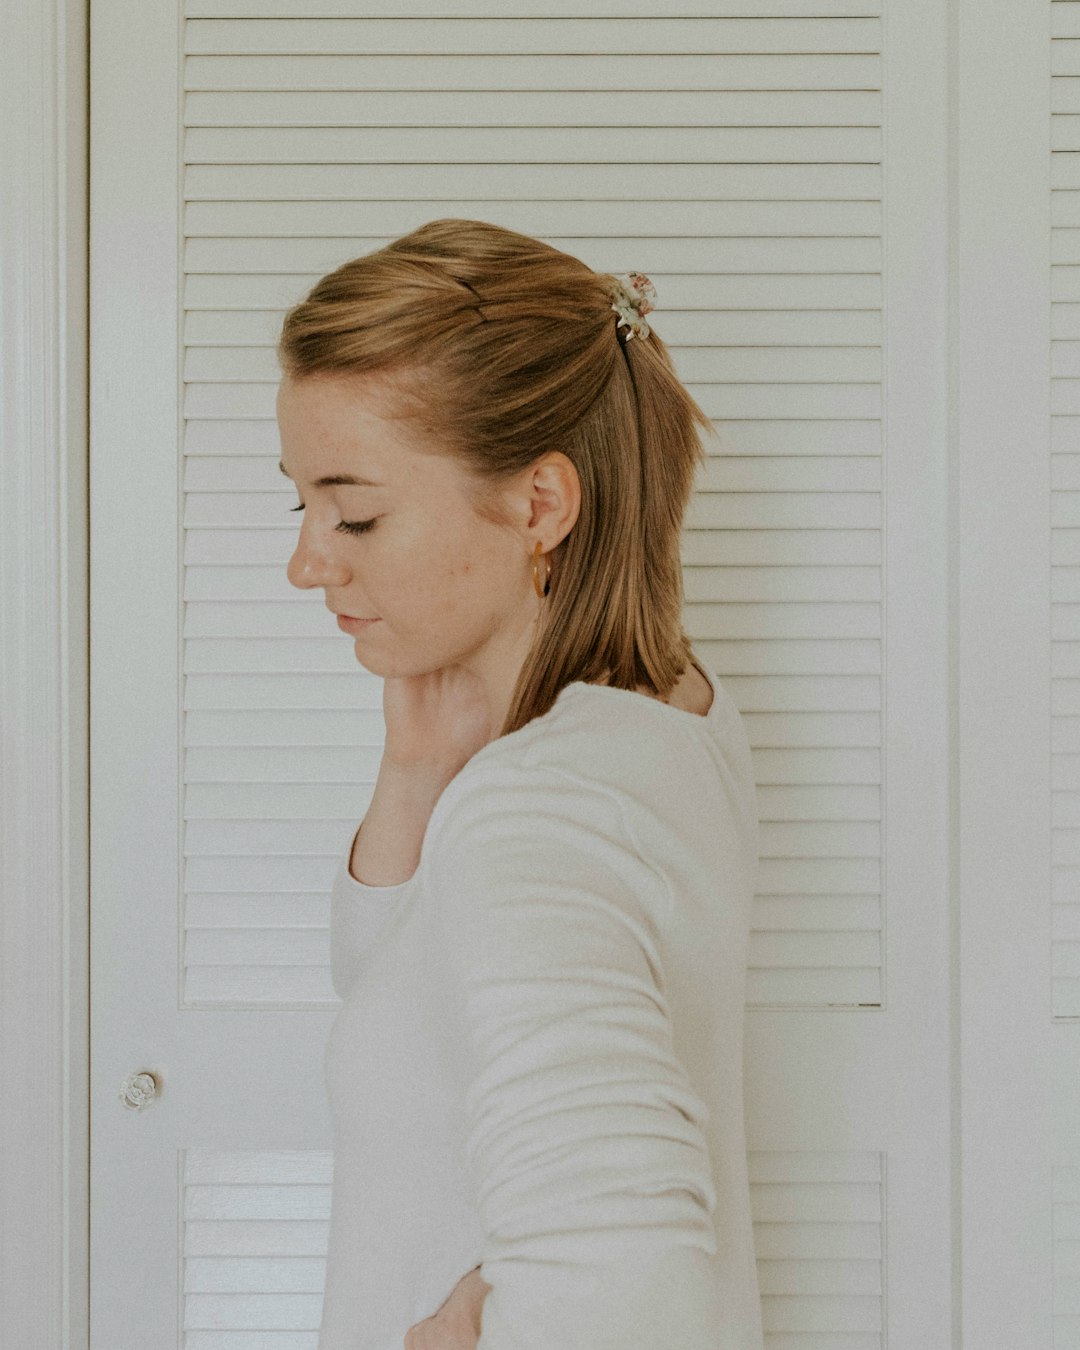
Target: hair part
{"points": [[521, 343]]}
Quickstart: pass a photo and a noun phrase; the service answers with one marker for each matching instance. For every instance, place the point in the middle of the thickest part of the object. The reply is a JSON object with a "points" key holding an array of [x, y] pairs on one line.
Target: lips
{"points": [[348, 625]]}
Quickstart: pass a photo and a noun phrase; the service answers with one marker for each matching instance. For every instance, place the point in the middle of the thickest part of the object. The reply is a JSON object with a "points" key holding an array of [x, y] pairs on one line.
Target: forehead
{"points": [[351, 429], [326, 401], [335, 415]]}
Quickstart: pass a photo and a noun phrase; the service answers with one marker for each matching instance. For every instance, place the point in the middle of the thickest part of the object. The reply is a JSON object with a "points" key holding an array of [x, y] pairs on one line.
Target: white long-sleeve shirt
{"points": [[537, 1065]]}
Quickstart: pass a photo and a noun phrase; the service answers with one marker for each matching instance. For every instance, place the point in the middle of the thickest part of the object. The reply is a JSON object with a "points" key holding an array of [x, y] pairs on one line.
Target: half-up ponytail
{"points": [[671, 453], [521, 343]]}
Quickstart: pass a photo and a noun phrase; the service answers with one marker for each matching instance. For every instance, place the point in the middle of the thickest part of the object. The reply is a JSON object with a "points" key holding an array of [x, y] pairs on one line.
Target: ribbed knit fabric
{"points": [[537, 1064]]}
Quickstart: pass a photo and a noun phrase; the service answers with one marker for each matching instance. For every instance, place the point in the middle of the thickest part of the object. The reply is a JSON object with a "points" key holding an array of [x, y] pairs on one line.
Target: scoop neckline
{"points": [[700, 719]]}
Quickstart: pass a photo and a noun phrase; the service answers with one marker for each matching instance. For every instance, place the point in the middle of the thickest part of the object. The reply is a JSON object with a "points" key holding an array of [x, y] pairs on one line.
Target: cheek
{"points": [[405, 572], [480, 584], [442, 567]]}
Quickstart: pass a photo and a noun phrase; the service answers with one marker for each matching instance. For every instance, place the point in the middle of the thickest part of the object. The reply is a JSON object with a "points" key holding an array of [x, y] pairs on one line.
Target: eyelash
{"points": [[348, 526]]}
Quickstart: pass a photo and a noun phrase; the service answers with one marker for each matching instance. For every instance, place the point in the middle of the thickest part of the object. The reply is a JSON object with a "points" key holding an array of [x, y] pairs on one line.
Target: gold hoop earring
{"points": [[536, 572]]}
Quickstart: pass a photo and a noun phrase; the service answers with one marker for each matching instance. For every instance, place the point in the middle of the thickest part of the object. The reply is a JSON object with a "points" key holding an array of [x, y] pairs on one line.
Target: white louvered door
{"points": [[739, 155]]}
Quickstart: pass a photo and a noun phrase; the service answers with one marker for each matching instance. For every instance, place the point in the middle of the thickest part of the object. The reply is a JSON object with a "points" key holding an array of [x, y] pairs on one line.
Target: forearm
{"points": [[386, 851]]}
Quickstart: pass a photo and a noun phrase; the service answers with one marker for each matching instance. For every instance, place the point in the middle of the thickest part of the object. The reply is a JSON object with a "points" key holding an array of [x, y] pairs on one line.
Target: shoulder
{"points": [[579, 757], [552, 798], [604, 735], [514, 799], [615, 768], [533, 856]]}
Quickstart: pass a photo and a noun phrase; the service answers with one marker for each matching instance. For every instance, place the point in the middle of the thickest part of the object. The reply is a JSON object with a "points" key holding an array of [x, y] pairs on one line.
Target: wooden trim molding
{"points": [[44, 848]]}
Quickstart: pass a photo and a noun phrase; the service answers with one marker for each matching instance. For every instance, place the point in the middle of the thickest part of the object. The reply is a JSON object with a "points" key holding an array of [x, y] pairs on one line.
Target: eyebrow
{"points": [[336, 480]]}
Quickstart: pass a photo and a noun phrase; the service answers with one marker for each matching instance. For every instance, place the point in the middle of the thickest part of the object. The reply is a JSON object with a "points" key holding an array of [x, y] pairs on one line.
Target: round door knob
{"points": [[138, 1091]]}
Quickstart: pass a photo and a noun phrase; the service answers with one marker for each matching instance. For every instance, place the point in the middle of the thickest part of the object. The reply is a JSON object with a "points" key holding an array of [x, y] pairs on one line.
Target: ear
{"points": [[545, 500]]}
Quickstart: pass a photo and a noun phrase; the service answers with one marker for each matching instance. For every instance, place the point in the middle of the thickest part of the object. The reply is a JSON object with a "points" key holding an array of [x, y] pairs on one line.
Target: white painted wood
{"points": [[538, 9], [856, 29], [809, 357], [1015, 1069], [789, 201], [1065, 523], [915, 1129], [43, 679]]}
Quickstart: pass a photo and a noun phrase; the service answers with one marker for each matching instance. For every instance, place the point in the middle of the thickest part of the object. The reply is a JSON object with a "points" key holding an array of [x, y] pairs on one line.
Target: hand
{"points": [[456, 1324], [436, 720]]}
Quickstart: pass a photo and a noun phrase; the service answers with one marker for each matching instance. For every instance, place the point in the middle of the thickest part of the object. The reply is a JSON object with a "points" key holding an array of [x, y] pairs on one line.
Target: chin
{"points": [[382, 665], [359, 653]]}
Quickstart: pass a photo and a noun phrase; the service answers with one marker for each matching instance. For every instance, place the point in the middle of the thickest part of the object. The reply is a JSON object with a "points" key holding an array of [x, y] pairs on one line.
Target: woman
{"points": [[539, 931]]}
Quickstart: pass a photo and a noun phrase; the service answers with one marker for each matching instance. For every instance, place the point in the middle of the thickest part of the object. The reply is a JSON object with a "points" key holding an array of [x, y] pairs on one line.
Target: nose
{"points": [[315, 564]]}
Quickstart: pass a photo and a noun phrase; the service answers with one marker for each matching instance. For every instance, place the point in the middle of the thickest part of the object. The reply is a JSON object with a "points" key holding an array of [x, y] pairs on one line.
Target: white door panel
{"points": [[240, 151]]}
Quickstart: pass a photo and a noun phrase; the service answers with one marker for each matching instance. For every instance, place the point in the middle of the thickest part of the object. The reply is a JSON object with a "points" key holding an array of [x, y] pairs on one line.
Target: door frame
{"points": [[44, 677]]}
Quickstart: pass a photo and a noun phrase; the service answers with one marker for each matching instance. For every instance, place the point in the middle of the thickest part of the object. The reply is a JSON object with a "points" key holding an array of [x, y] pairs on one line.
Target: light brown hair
{"points": [[501, 349]]}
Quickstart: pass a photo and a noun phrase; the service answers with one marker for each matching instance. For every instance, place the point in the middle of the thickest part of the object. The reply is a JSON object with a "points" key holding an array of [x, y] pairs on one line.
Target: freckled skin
{"points": [[447, 586]]}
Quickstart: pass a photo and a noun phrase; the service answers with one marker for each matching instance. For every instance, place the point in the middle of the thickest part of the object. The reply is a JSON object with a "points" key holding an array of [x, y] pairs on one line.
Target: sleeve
{"points": [[585, 1138], [359, 914]]}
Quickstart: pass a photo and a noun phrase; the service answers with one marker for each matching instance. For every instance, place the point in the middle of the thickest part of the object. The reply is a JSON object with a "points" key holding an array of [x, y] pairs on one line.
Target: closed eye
{"points": [[346, 526]]}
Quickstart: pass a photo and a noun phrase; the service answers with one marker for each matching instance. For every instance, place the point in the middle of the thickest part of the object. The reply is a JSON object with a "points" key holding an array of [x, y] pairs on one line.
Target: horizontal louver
{"points": [[819, 1237], [255, 1229], [1066, 1255], [737, 160]]}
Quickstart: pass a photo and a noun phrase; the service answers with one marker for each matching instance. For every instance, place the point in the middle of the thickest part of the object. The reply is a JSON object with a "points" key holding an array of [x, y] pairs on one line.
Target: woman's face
{"points": [[445, 585]]}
